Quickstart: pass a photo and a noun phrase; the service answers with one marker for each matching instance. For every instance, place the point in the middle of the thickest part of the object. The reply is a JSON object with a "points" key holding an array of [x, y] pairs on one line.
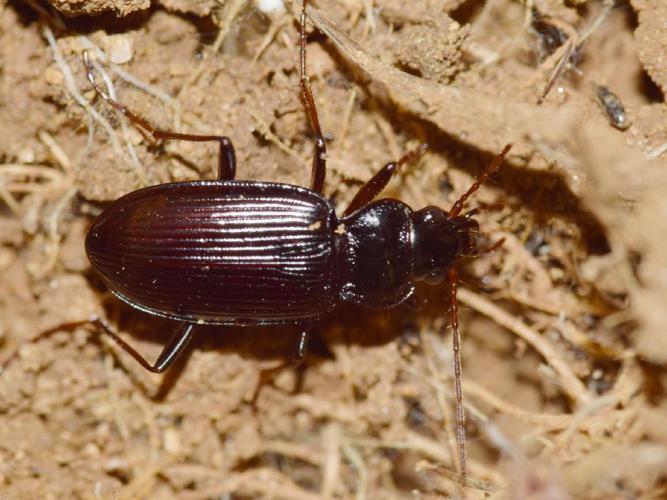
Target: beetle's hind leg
{"points": [[177, 343], [174, 348], [226, 155]]}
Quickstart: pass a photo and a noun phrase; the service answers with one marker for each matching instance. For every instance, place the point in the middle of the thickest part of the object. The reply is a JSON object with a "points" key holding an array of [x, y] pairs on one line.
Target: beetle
{"points": [[235, 252]]}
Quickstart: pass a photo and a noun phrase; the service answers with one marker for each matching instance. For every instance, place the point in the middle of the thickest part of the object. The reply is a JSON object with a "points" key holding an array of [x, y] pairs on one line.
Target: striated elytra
{"points": [[220, 252]]}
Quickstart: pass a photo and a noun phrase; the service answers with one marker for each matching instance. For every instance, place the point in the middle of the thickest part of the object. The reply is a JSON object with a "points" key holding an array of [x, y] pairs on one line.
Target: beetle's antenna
{"points": [[491, 169], [458, 388]]}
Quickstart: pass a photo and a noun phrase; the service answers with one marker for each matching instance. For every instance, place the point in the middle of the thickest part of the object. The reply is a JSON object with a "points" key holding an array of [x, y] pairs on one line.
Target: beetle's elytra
{"points": [[227, 251], [220, 252]]}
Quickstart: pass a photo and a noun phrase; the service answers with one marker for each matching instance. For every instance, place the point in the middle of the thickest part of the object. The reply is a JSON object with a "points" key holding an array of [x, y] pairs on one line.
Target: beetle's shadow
{"points": [[348, 324]]}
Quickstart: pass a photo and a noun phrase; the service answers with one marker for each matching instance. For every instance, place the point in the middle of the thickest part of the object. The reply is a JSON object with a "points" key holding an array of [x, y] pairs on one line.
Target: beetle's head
{"points": [[439, 237], [438, 240]]}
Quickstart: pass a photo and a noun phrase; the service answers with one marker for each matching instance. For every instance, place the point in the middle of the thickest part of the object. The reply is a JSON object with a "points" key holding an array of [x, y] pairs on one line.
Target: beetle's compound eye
{"points": [[436, 277], [467, 231]]}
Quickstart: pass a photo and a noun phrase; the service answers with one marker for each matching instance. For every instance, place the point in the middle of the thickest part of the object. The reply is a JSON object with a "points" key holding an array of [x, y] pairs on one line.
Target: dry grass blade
{"points": [[574, 388]]}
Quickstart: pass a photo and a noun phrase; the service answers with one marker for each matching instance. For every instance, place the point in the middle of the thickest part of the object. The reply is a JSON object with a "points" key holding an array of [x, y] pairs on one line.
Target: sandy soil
{"points": [[564, 327]]}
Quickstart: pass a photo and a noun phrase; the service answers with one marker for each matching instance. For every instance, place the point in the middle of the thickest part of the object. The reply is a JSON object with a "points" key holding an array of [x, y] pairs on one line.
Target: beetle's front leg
{"points": [[226, 155]]}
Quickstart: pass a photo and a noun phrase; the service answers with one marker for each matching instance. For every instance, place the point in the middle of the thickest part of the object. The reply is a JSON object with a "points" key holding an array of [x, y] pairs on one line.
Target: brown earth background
{"points": [[564, 327]]}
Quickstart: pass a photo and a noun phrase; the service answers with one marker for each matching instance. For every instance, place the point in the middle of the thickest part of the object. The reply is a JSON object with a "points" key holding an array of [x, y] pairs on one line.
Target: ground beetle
{"points": [[232, 252]]}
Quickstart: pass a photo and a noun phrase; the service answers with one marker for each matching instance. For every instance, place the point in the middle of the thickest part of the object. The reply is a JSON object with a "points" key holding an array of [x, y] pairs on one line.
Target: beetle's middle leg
{"points": [[226, 155], [302, 344], [319, 171]]}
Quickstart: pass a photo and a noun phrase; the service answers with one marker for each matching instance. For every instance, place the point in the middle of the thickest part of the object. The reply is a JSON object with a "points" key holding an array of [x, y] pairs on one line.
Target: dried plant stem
{"points": [[332, 461], [128, 77], [136, 164], [261, 482], [435, 452], [73, 90], [551, 422], [268, 38], [233, 9], [352, 454], [574, 388], [57, 152]]}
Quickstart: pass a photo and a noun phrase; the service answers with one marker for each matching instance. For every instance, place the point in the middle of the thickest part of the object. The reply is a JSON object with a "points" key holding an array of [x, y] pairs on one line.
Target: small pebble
{"points": [[268, 6], [119, 48], [171, 441], [53, 76]]}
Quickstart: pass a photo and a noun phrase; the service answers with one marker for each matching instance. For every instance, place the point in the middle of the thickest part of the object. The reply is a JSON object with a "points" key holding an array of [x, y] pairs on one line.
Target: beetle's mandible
{"points": [[228, 251]]}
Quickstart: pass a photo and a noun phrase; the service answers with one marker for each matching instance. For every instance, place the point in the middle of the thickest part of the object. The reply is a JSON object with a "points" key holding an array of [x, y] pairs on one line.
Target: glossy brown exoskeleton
{"points": [[248, 252]]}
